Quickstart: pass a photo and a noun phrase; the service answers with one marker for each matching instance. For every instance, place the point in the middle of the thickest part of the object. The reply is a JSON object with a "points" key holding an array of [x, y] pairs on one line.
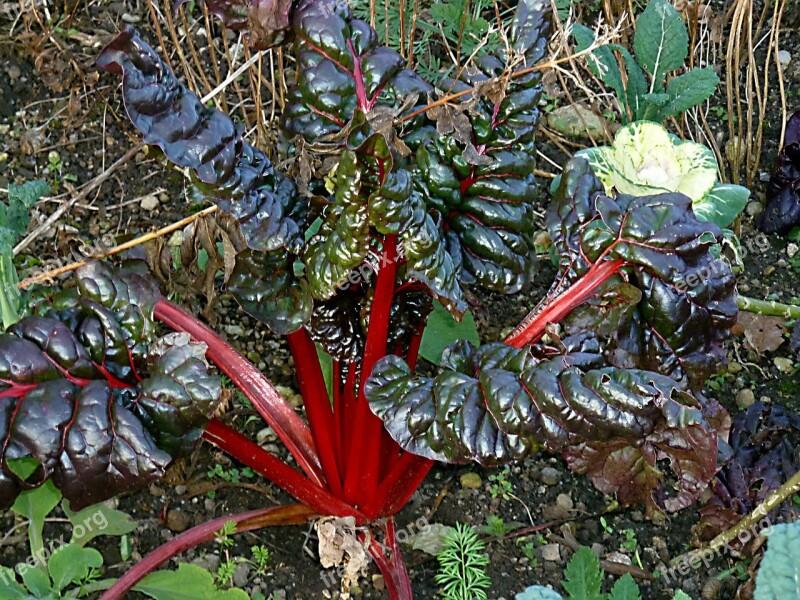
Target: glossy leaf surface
{"points": [[476, 166], [498, 403], [237, 176], [688, 301], [783, 193], [341, 68], [89, 393]]}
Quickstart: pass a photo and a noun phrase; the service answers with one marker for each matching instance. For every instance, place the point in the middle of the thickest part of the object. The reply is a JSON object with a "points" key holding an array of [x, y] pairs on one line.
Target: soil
{"points": [[51, 99]]}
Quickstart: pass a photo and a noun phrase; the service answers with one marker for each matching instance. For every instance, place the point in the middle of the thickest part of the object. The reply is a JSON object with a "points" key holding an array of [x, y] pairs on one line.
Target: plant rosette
{"points": [[646, 159]]}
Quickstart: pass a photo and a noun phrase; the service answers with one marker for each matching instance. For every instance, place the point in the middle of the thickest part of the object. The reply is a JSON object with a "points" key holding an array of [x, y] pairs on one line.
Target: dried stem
{"points": [[53, 273]]}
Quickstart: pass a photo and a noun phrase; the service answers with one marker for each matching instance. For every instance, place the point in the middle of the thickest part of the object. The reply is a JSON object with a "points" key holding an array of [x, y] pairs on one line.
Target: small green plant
{"points": [[501, 486], [56, 170], [630, 543], [661, 45], [583, 580], [528, 550], [232, 475], [606, 527], [462, 563], [59, 568], [495, 526], [14, 218]]}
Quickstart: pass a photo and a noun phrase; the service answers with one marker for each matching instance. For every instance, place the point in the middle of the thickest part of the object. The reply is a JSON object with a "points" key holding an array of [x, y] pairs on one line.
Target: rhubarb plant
{"points": [[422, 202]]}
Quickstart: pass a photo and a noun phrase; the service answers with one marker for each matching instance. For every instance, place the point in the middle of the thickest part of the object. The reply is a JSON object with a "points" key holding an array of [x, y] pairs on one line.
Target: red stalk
{"points": [[365, 446], [274, 469], [288, 425], [336, 384], [318, 405], [293, 514], [533, 326], [391, 564], [398, 486]]}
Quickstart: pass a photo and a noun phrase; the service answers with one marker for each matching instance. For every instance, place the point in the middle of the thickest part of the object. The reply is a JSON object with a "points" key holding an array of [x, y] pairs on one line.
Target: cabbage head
{"points": [[646, 159]]}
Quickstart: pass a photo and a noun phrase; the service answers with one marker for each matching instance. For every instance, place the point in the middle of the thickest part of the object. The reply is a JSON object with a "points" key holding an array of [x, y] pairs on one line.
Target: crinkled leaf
{"points": [[266, 287], [265, 21], [480, 177], [342, 68], [93, 423], [336, 325], [237, 176], [688, 302], [764, 441], [496, 403], [342, 242], [783, 193]]}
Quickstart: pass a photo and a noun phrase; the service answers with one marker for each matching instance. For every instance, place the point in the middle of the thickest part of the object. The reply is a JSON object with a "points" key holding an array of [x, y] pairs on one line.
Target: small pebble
{"points": [[551, 552], [471, 481], [784, 365], [769, 270], [792, 249], [177, 520], [734, 367], [550, 476], [784, 57], [149, 203], [754, 208], [745, 398]]}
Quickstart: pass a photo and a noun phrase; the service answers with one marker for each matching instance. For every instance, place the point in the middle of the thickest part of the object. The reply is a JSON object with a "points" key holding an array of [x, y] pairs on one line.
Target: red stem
{"points": [[278, 472], [398, 486], [533, 326], [293, 514], [391, 566], [365, 447], [318, 405], [336, 385], [287, 424]]}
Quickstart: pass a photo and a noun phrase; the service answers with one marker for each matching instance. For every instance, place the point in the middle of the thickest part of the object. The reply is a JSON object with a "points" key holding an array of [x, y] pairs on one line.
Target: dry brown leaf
{"points": [[761, 333], [339, 545]]}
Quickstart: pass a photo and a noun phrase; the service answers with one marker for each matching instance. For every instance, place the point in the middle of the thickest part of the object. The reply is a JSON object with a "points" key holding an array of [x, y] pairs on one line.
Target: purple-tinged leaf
{"points": [[265, 21], [237, 176], [783, 192], [765, 445], [688, 300], [341, 69], [99, 425], [498, 403]]}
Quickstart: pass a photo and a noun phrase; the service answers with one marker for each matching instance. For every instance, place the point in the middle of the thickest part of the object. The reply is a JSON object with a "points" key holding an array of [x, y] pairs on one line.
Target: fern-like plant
{"points": [[462, 563]]}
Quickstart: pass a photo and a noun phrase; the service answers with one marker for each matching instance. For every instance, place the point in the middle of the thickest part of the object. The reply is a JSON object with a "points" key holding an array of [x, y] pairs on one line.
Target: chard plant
{"points": [[424, 202]]}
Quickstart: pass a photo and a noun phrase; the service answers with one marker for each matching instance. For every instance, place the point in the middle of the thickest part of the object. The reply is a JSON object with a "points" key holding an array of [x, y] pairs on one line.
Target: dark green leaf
{"points": [[442, 330], [661, 42], [687, 91]]}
